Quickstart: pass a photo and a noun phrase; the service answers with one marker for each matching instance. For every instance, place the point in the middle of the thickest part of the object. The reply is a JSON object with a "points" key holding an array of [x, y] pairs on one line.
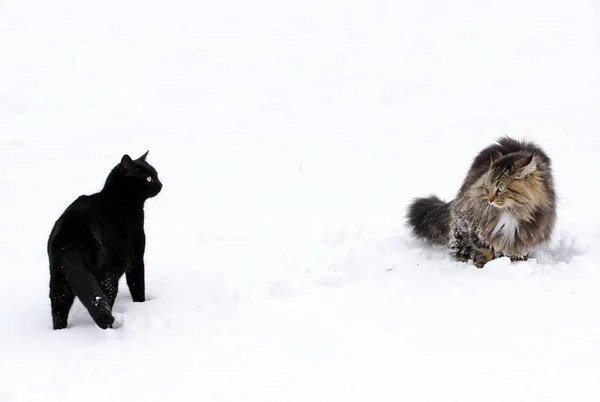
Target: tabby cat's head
{"points": [[514, 181], [136, 178]]}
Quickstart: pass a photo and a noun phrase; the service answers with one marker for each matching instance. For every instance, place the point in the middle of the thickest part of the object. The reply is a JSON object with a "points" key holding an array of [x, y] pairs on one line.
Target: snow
{"points": [[290, 137]]}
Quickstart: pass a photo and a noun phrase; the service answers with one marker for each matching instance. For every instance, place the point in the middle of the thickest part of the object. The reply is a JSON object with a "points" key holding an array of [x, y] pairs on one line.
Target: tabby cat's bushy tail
{"points": [[429, 219]]}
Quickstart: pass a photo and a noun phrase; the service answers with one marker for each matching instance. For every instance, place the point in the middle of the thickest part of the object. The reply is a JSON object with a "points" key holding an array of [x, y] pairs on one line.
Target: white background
{"points": [[290, 137]]}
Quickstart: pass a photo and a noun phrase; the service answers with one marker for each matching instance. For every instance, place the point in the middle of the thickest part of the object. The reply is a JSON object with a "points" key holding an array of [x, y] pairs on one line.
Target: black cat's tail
{"points": [[429, 219], [74, 264]]}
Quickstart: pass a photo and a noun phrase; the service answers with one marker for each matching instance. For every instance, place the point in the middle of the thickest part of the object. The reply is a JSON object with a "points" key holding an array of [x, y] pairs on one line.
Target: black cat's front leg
{"points": [[135, 281], [135, 274]]}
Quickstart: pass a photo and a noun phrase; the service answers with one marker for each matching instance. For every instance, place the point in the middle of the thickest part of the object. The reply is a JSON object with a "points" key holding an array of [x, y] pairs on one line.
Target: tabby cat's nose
{"points": [[491, 198]]}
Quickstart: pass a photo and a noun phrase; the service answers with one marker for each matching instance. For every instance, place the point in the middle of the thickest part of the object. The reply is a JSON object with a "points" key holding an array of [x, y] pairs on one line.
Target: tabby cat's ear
{"points": [[494, 156], [127, 162], [143, 157], [526, 166]]}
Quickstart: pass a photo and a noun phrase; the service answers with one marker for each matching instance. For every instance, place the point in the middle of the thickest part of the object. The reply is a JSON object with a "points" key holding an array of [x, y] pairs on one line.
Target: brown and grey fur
{"points": [[482, 222]]}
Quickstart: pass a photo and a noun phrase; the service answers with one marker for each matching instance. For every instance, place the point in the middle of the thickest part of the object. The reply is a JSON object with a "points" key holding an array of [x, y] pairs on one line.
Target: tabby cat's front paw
{"points": [[482, 257]]}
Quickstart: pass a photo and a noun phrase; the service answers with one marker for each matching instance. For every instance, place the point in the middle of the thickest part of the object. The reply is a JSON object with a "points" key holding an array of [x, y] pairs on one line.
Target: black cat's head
{"points": [[141, 175], [135, 177]]}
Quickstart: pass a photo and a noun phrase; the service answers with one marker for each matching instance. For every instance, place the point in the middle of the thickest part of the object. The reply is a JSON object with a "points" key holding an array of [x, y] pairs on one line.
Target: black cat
{"points": [[99, 238]]}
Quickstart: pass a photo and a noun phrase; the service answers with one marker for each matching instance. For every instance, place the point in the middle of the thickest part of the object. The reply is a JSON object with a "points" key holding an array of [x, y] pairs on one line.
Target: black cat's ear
{"points": [[525, 166], [143, 157], [127, 162]]}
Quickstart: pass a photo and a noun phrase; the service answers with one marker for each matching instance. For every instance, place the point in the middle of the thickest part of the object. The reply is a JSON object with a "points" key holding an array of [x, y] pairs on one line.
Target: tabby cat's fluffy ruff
{"points": [[506, 206]]}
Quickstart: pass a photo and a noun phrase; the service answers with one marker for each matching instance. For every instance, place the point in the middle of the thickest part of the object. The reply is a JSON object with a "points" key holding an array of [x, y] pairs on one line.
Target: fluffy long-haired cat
{"points": [[505, 207], [99, 238]]}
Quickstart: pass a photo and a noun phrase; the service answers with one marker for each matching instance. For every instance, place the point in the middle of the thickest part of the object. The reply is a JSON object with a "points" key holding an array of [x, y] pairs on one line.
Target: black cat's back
{"points": [[92, 223]]}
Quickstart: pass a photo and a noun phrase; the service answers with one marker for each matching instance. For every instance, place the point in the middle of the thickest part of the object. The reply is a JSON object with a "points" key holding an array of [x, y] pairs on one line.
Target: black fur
{"points": [[429, 219], [99, 238]]}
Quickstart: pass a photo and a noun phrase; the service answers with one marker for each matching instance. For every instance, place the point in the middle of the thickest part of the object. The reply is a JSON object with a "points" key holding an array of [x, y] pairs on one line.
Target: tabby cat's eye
{"points": [[501, 188], [149, 179]]}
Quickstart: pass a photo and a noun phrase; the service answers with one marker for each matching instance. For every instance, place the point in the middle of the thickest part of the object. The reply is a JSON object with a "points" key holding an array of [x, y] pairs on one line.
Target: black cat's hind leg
{"points": [[61, 297], [75, 265]]}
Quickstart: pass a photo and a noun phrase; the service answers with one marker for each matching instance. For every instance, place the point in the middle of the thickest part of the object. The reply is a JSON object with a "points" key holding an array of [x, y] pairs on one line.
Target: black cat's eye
{"points": [[149, 179]]}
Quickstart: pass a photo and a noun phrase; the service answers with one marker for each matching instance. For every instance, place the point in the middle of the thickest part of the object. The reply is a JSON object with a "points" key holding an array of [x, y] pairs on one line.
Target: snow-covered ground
{"points": [[290, 137]]}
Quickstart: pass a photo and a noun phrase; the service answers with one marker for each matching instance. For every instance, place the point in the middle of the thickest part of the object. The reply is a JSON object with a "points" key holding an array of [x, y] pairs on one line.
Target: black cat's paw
{"points": [[104, 321], [59, 324]]}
